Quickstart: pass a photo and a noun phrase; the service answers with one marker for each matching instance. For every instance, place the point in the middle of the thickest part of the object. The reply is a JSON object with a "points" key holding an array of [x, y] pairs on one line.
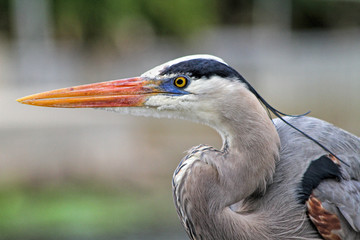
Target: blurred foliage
{"points": [[129, 20], [109, 19], [4, 16], [325, 14], [68, 211], [235, 12]]}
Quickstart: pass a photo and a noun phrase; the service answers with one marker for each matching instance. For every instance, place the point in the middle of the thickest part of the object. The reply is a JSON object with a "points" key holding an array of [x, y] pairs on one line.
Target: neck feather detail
{"points": [[208, 181], [251, 144]]}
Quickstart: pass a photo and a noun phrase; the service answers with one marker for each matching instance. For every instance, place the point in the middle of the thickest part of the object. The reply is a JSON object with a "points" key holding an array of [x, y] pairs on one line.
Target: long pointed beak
{"points": [[131, 92]]}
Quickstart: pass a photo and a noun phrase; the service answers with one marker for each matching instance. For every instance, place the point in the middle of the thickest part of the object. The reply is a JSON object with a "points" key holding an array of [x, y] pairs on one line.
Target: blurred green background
{"points": [[84, 174]]}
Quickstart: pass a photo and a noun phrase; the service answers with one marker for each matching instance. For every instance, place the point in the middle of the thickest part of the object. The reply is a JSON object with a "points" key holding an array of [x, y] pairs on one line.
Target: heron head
{"points": [[196, 87]]}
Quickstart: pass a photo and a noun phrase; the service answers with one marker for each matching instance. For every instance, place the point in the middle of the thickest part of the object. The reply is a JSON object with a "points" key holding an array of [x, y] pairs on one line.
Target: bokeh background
{"points": [[86, 174]]}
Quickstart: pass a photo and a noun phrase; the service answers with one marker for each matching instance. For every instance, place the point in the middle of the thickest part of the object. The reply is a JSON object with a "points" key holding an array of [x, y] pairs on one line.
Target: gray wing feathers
{"points": [[338, 197], [343, 196], [343, 144], [350, 208]]}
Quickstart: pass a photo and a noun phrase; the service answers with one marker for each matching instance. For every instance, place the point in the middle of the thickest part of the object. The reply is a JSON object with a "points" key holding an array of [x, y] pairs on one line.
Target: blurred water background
{"points": [[85, 174]]}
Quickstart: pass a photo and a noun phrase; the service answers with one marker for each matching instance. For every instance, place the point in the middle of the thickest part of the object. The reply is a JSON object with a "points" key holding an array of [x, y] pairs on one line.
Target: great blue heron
{"points": [[290, 178]]}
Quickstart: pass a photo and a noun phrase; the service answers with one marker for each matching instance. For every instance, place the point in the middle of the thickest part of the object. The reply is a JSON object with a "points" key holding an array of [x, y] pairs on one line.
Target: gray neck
{"points": [[208, 181], [251, 148]]}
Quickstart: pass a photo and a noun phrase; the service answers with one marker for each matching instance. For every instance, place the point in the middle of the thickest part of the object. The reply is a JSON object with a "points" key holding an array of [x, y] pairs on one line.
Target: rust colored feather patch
{"points": [[334, 159], [325, 222]]}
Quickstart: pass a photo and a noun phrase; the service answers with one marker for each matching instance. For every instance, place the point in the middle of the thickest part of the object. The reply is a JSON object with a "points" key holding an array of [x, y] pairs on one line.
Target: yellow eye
{"points": [[180, 82]]}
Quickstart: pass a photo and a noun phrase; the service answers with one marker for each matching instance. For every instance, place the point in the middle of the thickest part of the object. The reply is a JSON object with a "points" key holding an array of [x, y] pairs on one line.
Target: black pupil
{"points": [[180, 81]]}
